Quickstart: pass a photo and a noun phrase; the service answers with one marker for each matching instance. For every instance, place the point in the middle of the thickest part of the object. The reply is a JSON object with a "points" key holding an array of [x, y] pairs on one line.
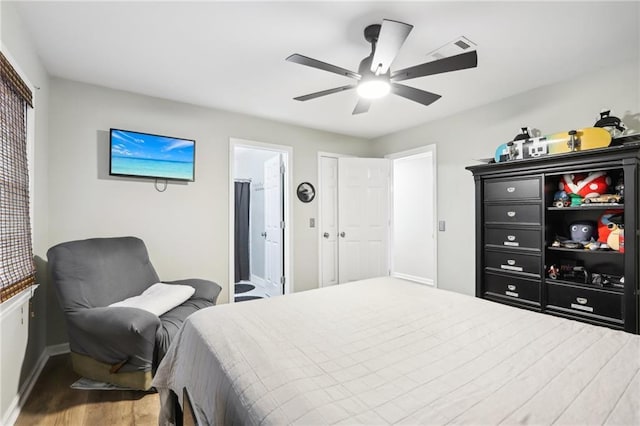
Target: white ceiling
{"points": [[230, 55]]}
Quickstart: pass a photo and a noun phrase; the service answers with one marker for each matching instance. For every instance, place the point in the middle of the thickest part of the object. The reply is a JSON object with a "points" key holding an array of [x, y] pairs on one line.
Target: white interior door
{"points": [[328, 199], [274, 267], [363, 218]]}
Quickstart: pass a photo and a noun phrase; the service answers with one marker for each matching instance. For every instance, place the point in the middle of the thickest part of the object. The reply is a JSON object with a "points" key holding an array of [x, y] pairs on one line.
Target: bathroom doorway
{"points": [[260, 253]]}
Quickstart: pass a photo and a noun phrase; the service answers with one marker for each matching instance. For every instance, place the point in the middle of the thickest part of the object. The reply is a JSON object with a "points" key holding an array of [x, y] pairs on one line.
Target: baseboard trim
{"points": [[421, 280], [62, 348], [259, 281], [25, 390]]}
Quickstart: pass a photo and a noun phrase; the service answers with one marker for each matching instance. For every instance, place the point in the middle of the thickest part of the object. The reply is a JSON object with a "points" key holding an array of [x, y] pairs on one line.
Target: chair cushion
{"points": [[171, 323], [159, 298]]}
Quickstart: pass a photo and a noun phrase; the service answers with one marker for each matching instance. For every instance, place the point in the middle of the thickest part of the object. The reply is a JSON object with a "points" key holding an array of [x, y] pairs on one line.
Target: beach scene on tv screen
{"points": [[140, 154]]}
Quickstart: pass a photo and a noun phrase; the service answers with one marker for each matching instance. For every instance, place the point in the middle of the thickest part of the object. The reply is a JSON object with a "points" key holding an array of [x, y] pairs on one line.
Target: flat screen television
{"points": [[151, 156]]}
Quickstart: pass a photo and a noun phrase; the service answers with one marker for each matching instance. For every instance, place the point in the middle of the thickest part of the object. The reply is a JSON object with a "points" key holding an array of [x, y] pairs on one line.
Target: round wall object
{"points": [[306, 192]]}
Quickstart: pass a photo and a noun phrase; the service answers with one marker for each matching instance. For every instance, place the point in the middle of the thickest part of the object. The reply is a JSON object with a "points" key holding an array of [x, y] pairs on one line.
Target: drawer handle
{"points": [[511, 262], [511, 189], [511, 237], [511, 214], [581, 300], [511, 287]]}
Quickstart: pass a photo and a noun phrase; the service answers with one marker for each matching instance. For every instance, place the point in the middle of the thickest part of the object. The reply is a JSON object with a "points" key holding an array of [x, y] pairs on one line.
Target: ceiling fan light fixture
{"points": [[373, 88]]}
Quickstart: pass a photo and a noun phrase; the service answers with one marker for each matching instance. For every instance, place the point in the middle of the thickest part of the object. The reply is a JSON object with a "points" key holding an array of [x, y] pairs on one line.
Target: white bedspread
{"points": [[385, 351]]}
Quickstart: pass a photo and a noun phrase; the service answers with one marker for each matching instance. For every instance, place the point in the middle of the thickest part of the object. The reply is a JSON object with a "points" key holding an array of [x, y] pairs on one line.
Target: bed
{"points": [[388, 351]]}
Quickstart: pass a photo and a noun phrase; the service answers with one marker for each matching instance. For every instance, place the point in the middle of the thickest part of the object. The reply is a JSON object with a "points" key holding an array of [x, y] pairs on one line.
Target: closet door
{"points": [[363, 218], [328, 198]]}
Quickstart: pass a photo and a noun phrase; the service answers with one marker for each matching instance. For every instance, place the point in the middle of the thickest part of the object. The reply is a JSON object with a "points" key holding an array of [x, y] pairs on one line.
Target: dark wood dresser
{"points": [[518, 220]]}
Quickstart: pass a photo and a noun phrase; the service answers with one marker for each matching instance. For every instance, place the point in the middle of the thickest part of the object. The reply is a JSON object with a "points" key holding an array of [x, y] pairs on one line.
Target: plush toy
{"points": [[604, 224], [592, 185], [581, 231], [615, 240]]}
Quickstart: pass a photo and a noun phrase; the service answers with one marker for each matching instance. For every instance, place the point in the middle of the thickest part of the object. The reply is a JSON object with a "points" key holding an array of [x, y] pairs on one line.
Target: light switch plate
{"points": [[312, 222], [441, 226]]}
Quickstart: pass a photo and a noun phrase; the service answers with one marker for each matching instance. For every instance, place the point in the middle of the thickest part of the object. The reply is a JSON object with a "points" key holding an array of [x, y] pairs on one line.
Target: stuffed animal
{"points": [[615, 240], [604, 224], [592, 185], [582, 231]]}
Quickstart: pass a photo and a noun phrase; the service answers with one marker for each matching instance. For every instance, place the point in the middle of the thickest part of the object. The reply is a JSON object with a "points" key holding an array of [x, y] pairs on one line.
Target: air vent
{"points": [[455, 47]]}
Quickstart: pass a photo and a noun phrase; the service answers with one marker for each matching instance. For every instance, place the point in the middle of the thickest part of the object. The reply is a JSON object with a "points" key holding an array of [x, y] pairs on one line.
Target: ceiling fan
{"points": [[374, 75]]}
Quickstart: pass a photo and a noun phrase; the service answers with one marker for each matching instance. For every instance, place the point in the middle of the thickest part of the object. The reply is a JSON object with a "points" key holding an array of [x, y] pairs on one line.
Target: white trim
{"points": [[287, 152], [421, 280], [62, 348], [258, 281], [423, 151], [16, 301], [25, 390]]}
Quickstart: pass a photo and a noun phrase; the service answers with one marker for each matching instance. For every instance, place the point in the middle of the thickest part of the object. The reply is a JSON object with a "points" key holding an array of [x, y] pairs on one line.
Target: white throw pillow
{"points": [[159, 298]]}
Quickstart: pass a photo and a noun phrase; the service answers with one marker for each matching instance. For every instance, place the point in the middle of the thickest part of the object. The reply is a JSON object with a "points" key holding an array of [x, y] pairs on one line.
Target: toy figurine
{"points": [[620, 188], [569, 272], [561, 199]]}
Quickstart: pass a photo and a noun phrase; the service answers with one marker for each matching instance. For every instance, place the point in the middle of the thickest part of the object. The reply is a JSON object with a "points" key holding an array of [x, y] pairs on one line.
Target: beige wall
{"points": [[185, 228], [17, 365], [476, 133]]}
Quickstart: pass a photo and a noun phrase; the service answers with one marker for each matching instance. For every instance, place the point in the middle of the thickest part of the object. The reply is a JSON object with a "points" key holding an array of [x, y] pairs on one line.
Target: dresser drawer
{"points": [[511, 189], [517, 238], [529, 214], [513, 287], [585, 300], [513, 262]]}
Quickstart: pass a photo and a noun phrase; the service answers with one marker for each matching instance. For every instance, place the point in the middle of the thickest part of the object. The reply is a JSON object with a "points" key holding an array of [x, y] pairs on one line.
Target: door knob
{"points": [[342, 234], [326, 235]]}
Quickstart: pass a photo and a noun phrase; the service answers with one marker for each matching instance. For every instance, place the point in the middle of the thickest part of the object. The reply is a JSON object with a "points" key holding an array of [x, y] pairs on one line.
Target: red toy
{"points": [[603, 224], [593, 184]]}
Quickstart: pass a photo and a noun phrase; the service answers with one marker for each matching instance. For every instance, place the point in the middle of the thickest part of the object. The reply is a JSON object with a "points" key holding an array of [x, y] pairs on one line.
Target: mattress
{"points": [[388, 351]]}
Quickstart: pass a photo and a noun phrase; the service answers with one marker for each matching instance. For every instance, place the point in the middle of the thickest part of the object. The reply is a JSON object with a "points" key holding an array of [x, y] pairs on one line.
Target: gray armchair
{"points": [[119, 345]]}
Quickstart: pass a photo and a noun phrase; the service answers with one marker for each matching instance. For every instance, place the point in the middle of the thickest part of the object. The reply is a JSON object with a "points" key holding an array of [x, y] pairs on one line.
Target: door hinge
{"points": [[281, 168], [282, 280], [282, 224]]}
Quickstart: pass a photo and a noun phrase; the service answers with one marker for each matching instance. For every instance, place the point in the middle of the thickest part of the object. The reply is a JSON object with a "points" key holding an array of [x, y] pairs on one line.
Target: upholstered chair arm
{"points": [[114, 335], [205, 289]]}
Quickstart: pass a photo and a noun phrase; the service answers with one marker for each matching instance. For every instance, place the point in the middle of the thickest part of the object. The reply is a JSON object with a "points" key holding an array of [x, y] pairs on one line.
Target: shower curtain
{"points": [[242, 231]]}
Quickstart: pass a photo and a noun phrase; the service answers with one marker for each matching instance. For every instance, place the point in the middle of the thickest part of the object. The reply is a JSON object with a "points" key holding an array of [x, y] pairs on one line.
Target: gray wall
{"points": [[476, 133], [186, 228]]}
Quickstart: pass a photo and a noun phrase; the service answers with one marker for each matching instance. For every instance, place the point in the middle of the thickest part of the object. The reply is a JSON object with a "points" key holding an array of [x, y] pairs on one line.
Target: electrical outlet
{"points": [[312, 222]]}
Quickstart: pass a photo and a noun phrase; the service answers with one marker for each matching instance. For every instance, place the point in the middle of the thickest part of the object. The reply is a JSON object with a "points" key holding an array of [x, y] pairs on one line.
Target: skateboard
{"points": [[557, 143]]}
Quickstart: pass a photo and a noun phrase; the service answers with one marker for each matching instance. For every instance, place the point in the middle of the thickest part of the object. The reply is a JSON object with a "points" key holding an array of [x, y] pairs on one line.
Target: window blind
{"points": [[17, 271]]}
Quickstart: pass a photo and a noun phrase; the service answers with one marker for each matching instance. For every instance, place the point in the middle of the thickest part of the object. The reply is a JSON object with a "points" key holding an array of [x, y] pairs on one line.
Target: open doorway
{"points": [[414, 215], [259, 249]]}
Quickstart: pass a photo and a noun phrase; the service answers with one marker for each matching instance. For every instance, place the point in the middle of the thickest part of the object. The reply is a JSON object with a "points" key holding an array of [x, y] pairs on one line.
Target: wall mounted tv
{"points": [[152, 156]]}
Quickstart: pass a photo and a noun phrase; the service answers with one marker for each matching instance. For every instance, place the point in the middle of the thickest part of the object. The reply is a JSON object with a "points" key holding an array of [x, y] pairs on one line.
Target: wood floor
{"points": [[53, 402]]}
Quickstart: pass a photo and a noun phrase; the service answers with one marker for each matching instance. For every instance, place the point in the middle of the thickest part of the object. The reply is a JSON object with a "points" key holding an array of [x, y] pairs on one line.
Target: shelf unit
{"points": [[517, 223]]}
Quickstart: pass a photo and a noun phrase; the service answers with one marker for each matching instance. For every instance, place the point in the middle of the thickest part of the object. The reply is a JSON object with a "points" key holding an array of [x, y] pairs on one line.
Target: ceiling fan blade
{"points": [[452, 63], [392, 36], [314, 63], [325, 92], [421, 96], [362, 106]]}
